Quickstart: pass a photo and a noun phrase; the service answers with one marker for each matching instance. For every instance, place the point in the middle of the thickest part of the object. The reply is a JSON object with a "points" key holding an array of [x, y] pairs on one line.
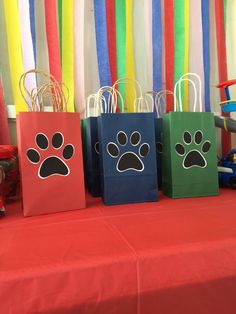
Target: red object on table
{"points": [[174, 256], [4, 128]]}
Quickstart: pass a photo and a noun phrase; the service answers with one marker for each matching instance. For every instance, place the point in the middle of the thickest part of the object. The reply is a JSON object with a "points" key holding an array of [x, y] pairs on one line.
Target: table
{"points": [[173, 256]]}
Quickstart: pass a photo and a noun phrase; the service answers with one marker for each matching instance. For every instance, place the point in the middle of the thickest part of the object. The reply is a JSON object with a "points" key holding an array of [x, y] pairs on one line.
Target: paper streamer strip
{"points": [[79, 56], [169, 49], [179, 35], [157, 44], [130, 95], [148, 45], [68, 50], [53, 38], [4, 134], [111, 37], [26, 42], [32, 25], [42, 59], [121, 42], [90, 57], [222, 65], [196, 46], [230, 26], [14, 48], [139, 40], [206, 51], [101, 42], [186, 52], [59, 9]]}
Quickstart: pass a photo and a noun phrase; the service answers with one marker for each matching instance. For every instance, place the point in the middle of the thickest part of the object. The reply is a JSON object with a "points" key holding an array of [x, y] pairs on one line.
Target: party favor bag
{"points": [[189, 151], [92, 145], [50, 153], [127, 158], [156, 103]]}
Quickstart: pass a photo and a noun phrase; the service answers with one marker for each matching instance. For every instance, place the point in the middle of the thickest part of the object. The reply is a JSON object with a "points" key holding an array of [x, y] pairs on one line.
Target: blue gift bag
{"points": [[127, 158]]}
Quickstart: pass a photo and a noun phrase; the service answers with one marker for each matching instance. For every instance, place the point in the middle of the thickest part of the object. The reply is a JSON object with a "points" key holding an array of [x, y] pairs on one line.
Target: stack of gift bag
{"points": [[122, 157]]}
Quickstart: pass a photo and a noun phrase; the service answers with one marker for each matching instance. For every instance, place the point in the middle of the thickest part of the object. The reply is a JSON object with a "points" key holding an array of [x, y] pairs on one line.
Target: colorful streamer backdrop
{"points": [[93, 43]]}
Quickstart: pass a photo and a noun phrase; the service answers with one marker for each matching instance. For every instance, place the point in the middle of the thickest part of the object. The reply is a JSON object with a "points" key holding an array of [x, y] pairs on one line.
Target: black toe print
{"points": [[187, 137], [159, 147], [68, 151], [57, 140], [122, 138], [180, 149], [206, 146], [33, 155], [198, 137], [144, 150], [194, 157], [135, 138], [51, 165], [113, 150], [129, 160], [41, 141]]}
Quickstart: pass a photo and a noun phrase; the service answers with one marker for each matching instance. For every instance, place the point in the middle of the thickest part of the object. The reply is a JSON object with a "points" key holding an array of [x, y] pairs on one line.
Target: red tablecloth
{"points": [[174, 256]]}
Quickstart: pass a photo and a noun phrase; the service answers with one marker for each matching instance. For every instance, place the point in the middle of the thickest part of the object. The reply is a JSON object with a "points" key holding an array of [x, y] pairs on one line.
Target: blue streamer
{"points": [[101, 42], [32, 26], [157, 44], [206, 51]]}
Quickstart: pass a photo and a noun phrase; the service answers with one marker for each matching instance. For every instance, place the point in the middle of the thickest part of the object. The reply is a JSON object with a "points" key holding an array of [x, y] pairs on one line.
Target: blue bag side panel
{"points": [[92, 157], [159, 148]]}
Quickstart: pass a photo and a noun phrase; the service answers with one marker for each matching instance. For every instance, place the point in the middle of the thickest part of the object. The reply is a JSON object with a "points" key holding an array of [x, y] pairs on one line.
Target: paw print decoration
{"points": [[129, 157], [51, 165], [193, 157]]}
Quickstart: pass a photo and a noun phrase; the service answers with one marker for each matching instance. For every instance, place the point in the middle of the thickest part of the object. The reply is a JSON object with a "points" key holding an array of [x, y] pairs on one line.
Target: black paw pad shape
{"points": [[51, 165], [129, 159], [194, 157]]}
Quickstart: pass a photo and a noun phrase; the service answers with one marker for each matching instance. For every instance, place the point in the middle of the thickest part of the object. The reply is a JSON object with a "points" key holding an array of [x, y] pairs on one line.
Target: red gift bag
{"points": [[51, 162], [51, 165]]}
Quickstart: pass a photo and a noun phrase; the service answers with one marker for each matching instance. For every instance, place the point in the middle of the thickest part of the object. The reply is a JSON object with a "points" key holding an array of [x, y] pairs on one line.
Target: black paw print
{"points": [[52, 165], [128, 160], [193, 157]]}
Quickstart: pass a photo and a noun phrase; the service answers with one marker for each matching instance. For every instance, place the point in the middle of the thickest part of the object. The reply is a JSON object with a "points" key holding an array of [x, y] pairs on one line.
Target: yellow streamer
{"points": [[130, 94], [68, 50], [14, 50], [186, 51]]}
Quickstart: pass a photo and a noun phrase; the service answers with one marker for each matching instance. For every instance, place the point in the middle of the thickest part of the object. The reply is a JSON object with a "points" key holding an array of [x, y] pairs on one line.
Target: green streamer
{"points": [[121, 43], [59, 8], [179, 11]]}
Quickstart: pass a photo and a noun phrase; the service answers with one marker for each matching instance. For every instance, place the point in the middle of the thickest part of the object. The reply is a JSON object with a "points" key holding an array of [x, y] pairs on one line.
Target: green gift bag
{"points": [[189, 150]]}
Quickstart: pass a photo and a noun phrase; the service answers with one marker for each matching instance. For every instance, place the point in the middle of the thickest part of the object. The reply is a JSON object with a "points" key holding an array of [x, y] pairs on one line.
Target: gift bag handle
{"points": [[160, 95], [179, 106], [95, 105], [178, 84], [112, 104], [51, 89], [126, 80]]}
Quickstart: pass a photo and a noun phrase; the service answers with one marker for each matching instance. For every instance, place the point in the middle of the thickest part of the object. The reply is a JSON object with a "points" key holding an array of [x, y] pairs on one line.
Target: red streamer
{"points": [[169, 49], [222, 65], [4, 129], [53, 38], [111, 37]]}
